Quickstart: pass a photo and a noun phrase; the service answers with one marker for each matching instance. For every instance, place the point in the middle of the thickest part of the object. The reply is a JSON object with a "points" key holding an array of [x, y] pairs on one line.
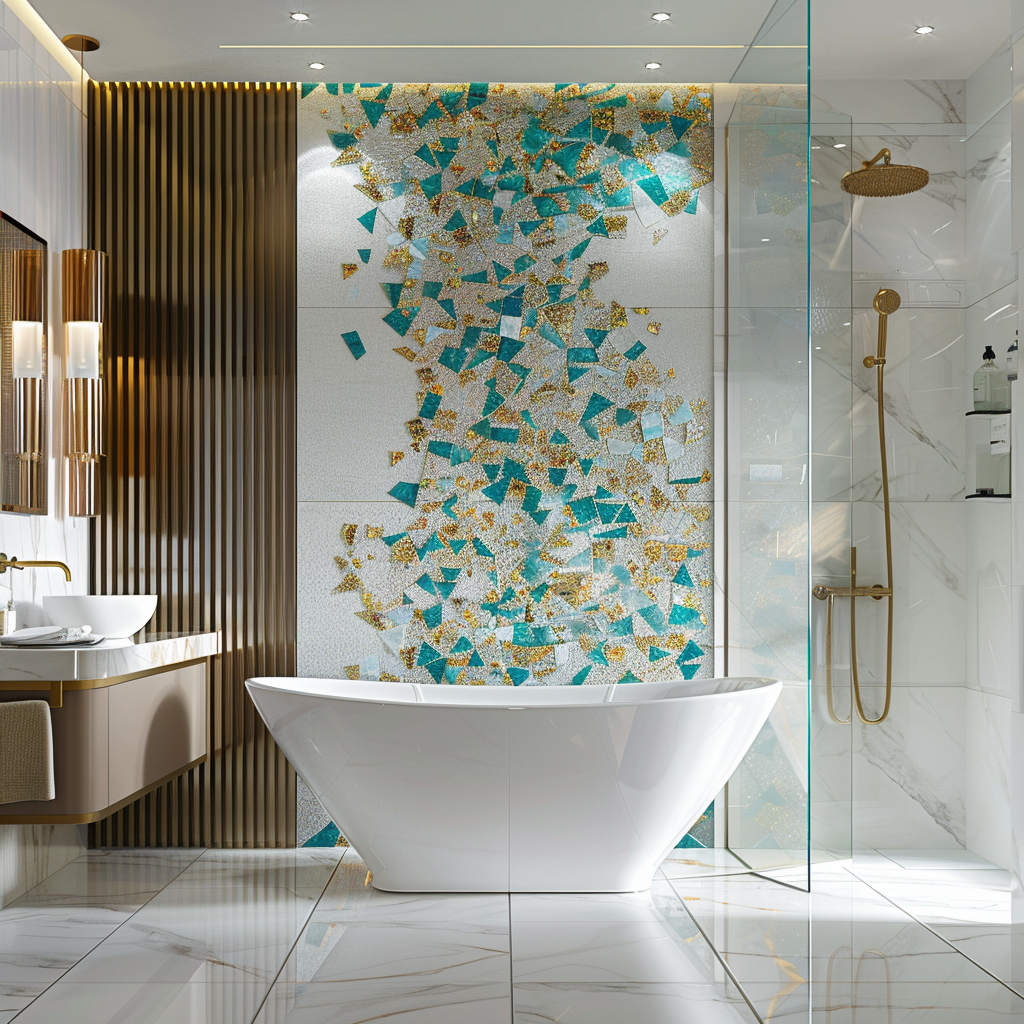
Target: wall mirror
{"points": [[23, 369]]}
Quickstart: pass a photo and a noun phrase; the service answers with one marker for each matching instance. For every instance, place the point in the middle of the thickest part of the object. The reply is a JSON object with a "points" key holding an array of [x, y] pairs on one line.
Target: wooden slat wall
{"points": [[192, 195]]}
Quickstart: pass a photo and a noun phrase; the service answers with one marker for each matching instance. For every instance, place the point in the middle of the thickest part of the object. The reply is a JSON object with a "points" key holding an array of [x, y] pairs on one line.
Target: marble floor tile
{"points": [[600, 951], [349, 896], [879, 1002], [301, 937], [936, 898], [581, 908], [220, 934], [365, 1001], [931, 860], [304, 870], [461, 953], [117, 879], [38, 944], [607, 1003], [786, 948], [694, 863], [149, 1002]]}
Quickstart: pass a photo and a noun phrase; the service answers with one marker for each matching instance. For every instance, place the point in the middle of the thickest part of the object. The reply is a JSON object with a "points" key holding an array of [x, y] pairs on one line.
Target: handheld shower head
{"points": [[886, 301], [887, 179]]}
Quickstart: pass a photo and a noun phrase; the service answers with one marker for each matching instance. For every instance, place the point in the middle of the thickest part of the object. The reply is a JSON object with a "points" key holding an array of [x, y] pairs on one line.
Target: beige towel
{"points": [[26, 751]]}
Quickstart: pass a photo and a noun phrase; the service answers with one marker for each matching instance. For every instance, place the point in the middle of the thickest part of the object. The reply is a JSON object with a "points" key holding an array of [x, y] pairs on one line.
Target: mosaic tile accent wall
{"points": [[505, 382]]}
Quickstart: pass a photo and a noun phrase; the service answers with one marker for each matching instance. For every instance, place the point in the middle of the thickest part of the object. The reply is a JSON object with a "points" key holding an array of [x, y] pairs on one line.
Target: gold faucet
{"points": [[13, 563]]}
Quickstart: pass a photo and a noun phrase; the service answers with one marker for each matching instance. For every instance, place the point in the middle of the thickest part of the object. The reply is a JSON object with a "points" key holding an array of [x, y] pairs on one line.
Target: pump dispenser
{"points": [[991, 386]]}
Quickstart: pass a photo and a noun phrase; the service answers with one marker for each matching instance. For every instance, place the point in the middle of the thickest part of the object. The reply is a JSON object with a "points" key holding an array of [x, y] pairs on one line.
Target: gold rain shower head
{"points": [[885, 179]]}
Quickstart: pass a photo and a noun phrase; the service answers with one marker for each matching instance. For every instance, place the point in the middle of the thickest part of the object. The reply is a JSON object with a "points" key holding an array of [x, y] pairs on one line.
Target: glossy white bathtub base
{"points": [[488, 789]]}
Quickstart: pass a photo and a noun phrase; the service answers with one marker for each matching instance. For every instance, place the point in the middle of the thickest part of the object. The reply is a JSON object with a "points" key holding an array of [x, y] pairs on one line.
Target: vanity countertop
{"points": [[108, 659]]}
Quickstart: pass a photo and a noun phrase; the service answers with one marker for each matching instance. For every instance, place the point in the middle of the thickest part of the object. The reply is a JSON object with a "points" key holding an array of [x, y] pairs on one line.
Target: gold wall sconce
{"points": [[83, 284], [23, 369], [27, 370]]}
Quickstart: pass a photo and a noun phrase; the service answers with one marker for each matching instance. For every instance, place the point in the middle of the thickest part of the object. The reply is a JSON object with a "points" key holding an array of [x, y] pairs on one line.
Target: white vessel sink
{"points": [[111, 615]]}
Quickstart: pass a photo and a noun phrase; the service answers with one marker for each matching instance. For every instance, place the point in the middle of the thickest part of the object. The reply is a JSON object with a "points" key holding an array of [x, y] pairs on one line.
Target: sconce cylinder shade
{"points": [[83, 293], [81, 488], [28, 418], [29, 289], [27, 362], [83, 414], [29, 266], [83, 284], [83, 408], [84, 349], [26, 349]]}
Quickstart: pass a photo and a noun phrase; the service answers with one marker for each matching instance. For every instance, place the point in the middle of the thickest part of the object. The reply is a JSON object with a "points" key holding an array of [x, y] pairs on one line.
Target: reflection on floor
{"points": [[175, 937]]}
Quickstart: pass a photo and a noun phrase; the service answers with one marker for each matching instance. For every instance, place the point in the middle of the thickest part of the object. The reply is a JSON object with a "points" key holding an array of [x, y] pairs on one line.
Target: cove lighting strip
{"points": [[49, 39]]}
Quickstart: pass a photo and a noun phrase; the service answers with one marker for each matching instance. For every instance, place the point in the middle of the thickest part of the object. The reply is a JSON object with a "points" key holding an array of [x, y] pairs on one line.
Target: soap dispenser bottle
{"points": [[991, 387]]}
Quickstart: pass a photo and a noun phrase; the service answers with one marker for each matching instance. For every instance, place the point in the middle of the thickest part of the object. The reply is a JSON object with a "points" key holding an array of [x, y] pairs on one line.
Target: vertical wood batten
{"points": [[192, 195]]}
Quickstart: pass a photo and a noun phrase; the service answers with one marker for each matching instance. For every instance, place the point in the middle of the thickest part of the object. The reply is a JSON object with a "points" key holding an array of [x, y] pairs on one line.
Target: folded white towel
{"points": [[26, 751], [51, 636]]}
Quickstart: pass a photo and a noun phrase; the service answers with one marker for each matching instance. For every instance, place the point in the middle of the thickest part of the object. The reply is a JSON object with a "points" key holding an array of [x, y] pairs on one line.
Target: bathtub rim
{"points": [[517, 701]]}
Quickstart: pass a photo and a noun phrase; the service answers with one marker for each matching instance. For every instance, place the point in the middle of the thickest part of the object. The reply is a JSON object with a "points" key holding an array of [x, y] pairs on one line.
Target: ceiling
{"points": [[155, 40], [876, 39], [596, 40]]}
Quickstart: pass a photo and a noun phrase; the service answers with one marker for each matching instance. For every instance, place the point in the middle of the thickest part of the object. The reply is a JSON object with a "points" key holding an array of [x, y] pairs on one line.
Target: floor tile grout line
{"points": [[714, 949], [56, 981], [956, 949], [298, 934]]}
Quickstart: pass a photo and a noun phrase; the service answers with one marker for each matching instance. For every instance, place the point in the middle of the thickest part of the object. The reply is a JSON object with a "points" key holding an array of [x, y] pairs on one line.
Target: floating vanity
{"points": [[127, 718]]}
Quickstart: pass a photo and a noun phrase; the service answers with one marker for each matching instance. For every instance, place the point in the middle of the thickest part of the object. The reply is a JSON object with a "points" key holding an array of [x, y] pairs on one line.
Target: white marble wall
{"points": [[40, 186], [906, 783], [991, 318]]}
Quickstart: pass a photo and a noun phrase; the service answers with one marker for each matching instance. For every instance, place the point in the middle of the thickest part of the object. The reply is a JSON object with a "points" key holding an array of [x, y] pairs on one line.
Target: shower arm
{"points": [[886, 302]]}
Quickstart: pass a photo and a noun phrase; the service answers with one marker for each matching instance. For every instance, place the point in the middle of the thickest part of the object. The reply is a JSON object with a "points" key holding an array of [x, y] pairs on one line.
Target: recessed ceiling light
{"points": [[839, 145], [317, 66], [765, 239], [299, 16], [924, 30], [661, 16], [815, 147], [652, 65]]}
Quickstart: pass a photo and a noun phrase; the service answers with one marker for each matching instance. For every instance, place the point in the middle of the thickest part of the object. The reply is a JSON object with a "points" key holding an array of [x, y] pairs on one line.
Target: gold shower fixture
{"points": [[885, 303], [885, 179]]}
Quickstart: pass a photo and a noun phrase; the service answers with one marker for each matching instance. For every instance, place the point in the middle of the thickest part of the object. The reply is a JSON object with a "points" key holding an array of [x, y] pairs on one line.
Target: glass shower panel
{"points": [[767, 508], [831, 325]]}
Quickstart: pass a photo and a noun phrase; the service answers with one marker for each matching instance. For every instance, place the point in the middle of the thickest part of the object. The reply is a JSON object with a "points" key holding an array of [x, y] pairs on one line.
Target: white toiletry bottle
{"points": [[1011, 359], [991, 388]]}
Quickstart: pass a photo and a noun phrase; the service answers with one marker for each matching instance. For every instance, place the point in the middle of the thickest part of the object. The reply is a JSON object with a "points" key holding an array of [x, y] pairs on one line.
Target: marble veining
{"points": [[916, 750]]}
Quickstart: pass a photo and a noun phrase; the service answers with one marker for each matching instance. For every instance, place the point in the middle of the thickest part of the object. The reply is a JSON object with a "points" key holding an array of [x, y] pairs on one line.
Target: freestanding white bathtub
{"points": [[532, 789]]}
